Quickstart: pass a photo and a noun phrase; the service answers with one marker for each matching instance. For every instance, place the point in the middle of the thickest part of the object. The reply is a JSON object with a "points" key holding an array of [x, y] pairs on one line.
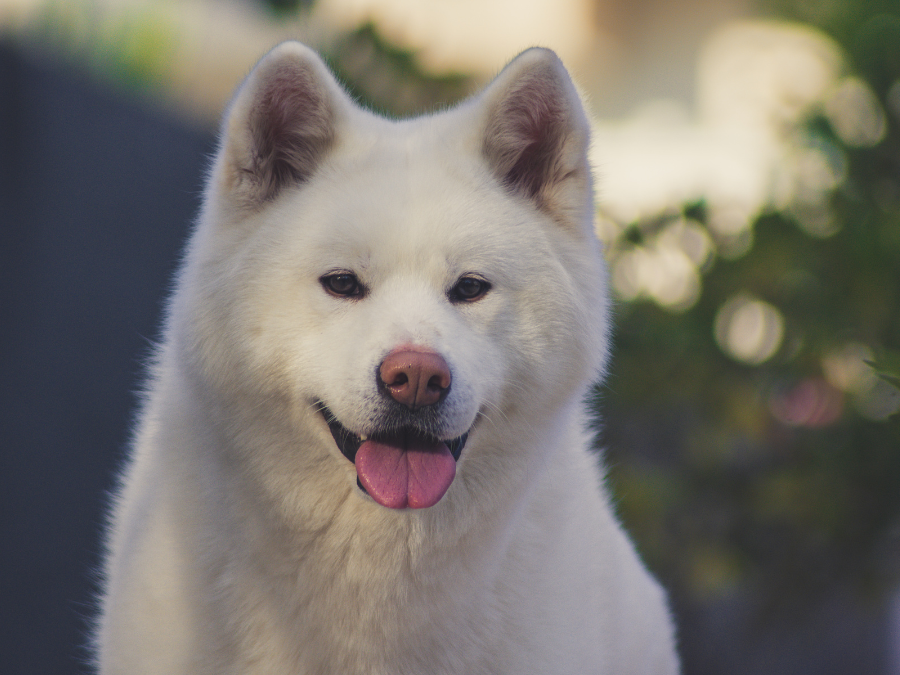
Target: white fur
{"points": [[240, 542]]}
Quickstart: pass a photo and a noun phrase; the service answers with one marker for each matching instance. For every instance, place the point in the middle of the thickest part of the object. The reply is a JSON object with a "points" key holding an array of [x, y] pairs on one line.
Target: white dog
{"points": [[364, 448]]}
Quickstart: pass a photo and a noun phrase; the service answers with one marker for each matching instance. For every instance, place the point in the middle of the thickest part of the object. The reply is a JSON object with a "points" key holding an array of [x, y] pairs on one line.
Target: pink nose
{"points": [[415, 378]]}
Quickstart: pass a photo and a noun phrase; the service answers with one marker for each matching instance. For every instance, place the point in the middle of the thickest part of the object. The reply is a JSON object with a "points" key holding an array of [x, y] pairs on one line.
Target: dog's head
{"points": [[422, 297]]}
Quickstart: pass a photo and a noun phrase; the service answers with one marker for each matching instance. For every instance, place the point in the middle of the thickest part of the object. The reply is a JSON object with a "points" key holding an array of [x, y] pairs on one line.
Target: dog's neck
{"points": [[374, 586]]}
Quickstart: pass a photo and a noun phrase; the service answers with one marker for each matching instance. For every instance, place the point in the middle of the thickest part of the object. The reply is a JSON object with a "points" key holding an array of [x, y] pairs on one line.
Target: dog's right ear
{"points": [[280, 125]]}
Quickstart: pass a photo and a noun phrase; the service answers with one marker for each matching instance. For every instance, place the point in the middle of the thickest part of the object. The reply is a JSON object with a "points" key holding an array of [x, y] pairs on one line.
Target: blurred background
{"points": [[748, 163]]}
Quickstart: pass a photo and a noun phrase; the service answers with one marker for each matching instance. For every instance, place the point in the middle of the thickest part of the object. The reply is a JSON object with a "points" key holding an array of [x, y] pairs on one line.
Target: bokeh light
{"points": [[749, 330]]}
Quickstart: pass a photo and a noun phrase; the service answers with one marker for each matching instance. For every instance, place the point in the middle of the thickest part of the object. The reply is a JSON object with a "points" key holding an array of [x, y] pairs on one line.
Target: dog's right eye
{"points": [[342, 285]]}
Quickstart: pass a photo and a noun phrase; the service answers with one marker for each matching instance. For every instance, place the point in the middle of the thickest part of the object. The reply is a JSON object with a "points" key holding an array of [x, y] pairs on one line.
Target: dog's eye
{"points": [[469, 289], [342, 284]]}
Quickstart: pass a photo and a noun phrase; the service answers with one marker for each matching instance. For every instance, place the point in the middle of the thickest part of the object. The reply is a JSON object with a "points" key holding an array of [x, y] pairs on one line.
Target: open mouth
{"points": [[403, 468]]}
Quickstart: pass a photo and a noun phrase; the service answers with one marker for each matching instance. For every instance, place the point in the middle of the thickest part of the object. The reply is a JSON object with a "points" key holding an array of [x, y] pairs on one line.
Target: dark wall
{"points": [[96, 197]]}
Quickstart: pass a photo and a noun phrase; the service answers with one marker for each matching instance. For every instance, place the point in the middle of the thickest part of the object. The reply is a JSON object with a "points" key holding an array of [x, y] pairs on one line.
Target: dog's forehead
{"points": [[415, 157], [408, 193]]}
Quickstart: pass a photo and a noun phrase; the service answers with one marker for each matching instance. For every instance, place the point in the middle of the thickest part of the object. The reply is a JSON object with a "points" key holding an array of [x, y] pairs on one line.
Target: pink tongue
{"points": [[416, 476]]}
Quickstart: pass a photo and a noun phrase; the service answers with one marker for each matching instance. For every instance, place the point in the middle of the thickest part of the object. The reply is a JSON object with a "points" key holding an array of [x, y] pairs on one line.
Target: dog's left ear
{"points": [[536, 133]]}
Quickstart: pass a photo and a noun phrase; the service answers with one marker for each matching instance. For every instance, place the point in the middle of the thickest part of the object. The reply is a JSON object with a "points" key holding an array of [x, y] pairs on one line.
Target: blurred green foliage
{"points": [[727, 493], [387, 79], [132, 48]]}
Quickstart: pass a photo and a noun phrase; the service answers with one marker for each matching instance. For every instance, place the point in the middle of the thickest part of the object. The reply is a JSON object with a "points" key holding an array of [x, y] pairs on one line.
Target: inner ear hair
{"points": [[280, 126], [536, 134], [291, 127]]}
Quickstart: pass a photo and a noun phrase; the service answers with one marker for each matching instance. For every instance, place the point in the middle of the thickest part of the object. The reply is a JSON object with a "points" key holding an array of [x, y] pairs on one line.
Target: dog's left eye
{"points": [[342, 284], [469, 289]]}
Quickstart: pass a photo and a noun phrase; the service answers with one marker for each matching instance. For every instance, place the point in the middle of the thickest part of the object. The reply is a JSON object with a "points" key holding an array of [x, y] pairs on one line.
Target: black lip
{"points": [[348, 442]]}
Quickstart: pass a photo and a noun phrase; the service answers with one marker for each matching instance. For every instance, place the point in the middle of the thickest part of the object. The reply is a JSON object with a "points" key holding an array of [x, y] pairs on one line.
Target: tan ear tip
{"points": [[290, 48]]}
